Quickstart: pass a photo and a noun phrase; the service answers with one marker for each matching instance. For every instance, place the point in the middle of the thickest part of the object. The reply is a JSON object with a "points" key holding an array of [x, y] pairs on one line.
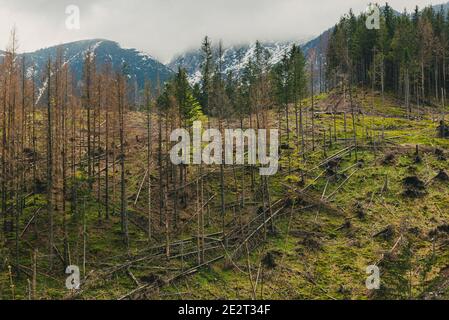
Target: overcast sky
{"points": [[164, 28]]}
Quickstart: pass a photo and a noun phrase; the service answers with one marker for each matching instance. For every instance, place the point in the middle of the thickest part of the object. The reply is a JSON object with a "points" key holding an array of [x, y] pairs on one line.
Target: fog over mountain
{"points": [[167, 28], [143, 64]]}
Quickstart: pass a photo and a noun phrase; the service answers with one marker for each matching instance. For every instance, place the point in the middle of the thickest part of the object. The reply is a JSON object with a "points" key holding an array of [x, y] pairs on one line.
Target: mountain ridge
{"points": [[140, 66]]}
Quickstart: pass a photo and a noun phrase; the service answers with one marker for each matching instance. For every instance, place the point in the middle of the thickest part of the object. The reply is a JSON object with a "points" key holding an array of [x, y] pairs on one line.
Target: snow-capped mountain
{"points": [[235, 58], [139, 65]]}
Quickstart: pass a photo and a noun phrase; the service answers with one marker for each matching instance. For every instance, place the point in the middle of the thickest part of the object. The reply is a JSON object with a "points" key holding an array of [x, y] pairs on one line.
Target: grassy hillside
{"points": [[364, 213], [381, 200]]}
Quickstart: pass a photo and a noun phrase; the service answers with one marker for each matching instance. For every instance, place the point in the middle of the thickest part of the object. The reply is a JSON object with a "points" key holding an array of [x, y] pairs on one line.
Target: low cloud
{"points": [[166, 27]]}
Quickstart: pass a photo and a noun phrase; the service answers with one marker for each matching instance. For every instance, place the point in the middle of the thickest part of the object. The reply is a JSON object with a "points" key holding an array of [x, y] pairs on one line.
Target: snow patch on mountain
{"points": [[235, 58], [139, 66]]}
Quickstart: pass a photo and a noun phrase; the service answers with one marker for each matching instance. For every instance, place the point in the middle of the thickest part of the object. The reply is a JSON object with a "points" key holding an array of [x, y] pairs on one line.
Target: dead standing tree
{"points": [[120, 83], [50, 162], [149, 153], [88, 75]]}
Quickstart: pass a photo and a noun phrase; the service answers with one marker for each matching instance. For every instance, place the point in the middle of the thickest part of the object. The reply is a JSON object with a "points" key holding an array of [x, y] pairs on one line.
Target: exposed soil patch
{"points": [[305, 234], [152, 278], [309, 239], [311, 244], [359, 211]]}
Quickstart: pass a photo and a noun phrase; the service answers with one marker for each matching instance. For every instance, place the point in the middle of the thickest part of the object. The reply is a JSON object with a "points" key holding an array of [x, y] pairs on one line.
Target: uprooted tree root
{"points": [[440, 154], [413, 187], [269, 260], [332, 167], [443, 130], [310, 240], [442, 176], [440, 231], [389, 158], [386, 233], [359, 210], [308, 199]]}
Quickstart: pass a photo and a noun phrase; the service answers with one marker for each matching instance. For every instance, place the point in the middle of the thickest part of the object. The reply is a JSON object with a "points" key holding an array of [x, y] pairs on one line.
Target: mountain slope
{"points": [[444, 6], [139, 66], [318, 44]]}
